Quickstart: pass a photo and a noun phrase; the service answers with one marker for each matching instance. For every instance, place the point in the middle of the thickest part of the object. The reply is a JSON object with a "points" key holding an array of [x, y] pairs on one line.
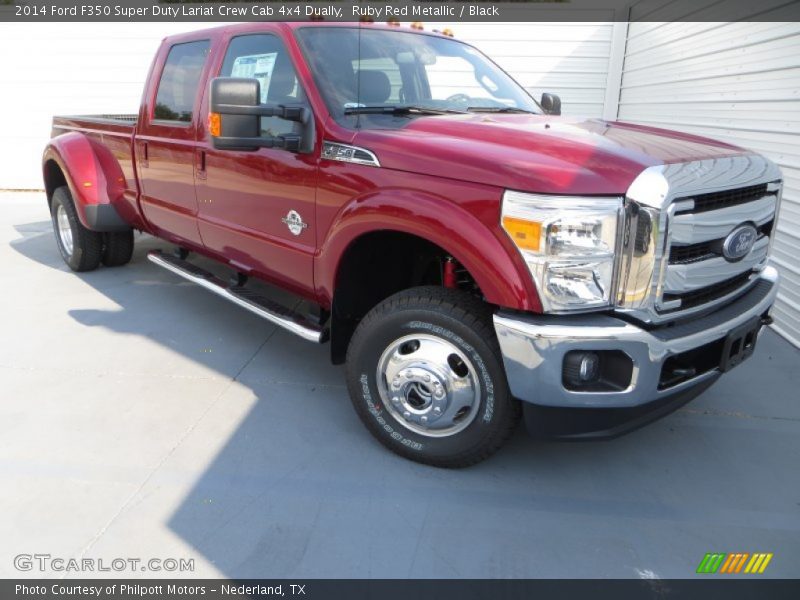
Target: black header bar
{"points": [[401, 10], [702, 588]]}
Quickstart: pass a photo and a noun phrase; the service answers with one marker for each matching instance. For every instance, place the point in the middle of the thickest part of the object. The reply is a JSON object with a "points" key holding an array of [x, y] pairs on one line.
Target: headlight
{"points": [[568, 244]]}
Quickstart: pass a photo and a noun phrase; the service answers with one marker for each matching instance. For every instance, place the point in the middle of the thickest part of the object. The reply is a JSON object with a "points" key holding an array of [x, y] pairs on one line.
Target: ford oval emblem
{"points": [[739, 243]]}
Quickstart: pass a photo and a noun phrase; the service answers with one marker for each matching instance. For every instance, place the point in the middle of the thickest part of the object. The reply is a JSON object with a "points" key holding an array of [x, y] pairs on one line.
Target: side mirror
{"points": [[551, 104], [235, 119]]}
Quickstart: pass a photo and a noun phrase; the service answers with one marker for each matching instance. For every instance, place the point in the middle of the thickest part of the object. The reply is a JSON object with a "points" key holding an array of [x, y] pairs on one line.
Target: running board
{"points": [[252, 301]]}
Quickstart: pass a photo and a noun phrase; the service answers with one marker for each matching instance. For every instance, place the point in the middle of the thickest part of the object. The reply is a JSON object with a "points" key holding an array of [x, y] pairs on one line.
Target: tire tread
{"points": [[470, 312], [87, 244], [117, 248]]}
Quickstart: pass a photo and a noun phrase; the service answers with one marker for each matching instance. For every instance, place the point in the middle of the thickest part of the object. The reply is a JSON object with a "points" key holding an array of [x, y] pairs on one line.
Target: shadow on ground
{"points": [[300, 489]]}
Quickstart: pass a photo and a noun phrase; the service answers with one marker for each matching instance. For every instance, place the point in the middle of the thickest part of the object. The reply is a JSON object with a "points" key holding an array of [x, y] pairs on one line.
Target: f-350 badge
{"points": [[295, 222]]}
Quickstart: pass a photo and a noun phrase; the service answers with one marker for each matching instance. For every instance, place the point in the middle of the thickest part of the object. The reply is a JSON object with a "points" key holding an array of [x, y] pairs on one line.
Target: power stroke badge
{"points": [[294, 222]]}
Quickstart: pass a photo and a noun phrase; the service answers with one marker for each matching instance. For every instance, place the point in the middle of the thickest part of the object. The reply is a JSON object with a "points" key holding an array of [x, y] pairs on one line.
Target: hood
{"points": [[534, 153]]}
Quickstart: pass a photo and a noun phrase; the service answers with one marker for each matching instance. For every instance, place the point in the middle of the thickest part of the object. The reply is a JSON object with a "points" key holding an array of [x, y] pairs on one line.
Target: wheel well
{"points": [[377, 265], [53, 179]]}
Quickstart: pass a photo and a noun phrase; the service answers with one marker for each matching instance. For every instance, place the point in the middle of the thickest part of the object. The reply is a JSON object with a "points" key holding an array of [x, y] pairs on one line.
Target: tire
{"points": [[80, 248], [408, 344], [117, 248]]}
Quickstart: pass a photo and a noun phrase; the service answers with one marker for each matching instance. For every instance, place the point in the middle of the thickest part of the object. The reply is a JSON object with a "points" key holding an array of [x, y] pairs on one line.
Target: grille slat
{"points": [[682, 255], [710, 293], [726, 198]]}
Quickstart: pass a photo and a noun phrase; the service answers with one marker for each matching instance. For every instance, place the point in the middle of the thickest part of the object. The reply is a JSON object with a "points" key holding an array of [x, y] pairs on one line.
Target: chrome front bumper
{"points": [[533, 349]]}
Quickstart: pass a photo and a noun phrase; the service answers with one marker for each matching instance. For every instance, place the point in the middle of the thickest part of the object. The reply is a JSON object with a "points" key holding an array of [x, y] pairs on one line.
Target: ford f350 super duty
{"points": [[470, 254]]}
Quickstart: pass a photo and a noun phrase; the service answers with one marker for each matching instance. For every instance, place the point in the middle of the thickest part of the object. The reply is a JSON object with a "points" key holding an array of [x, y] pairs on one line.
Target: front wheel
{"points": [[425, 375]]}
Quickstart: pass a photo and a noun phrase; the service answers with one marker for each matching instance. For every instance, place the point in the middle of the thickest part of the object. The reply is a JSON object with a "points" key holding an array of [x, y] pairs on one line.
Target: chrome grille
{"points": [[689, 210], [712, 278]]}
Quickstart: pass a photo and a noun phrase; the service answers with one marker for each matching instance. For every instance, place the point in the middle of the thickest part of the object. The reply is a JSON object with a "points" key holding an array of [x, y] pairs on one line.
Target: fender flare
{"points": [[94, 180], [491, 259]]}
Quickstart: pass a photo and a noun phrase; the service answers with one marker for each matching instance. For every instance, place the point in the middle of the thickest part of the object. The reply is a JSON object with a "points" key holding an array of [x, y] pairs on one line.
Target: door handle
{"points": [[200, 167], [145, 162]]}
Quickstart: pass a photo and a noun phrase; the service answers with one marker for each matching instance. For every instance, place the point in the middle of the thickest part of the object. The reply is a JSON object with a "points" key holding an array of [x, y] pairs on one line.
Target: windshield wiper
{"points": [[399, 109], [499, 109]]}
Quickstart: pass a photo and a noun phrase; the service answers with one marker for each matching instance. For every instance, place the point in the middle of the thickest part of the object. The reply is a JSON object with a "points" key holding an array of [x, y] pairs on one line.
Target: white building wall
{"points": [[737, 82], [568, 59], [67, 68], [88, 68]]}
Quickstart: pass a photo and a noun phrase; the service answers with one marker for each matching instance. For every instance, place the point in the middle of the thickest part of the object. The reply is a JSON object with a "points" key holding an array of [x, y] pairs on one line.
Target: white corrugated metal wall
{"points": [[737, 82], [568, 59]]}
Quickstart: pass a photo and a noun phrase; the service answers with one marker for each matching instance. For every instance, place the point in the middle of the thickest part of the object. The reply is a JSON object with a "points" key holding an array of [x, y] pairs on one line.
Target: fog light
{"points": [[597, 371], [581, 368]]}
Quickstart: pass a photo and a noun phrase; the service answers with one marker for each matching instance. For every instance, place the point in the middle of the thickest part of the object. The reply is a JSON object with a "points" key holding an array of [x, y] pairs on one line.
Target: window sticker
{"points": [[256, 66]]}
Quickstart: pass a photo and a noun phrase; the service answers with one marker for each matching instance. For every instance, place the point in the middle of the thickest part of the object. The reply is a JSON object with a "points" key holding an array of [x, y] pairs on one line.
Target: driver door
{"points": [[257, 208]]}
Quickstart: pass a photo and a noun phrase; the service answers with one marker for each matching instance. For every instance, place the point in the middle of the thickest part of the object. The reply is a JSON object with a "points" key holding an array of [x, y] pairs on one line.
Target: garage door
{"points": [[738, 82]]}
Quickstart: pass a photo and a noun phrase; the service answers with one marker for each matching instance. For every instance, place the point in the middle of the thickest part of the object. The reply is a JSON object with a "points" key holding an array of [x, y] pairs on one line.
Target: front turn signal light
{"points": [[526, 234]]}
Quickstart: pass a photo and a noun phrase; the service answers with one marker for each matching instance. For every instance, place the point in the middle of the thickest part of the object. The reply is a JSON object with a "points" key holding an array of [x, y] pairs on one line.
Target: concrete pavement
{"points": [[142, 417]]}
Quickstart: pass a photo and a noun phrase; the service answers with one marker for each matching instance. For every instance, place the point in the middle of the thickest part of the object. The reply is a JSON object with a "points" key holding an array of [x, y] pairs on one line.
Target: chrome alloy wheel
{"points": [[64, 229], [428, 385]]}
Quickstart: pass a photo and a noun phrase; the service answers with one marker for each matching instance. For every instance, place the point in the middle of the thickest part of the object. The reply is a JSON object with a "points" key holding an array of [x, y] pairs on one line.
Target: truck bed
{"points": [[107, 123], [111, 136]]}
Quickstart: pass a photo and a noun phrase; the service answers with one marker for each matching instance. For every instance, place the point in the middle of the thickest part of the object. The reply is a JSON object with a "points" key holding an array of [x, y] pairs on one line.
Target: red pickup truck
{"points": [[469, 253]]}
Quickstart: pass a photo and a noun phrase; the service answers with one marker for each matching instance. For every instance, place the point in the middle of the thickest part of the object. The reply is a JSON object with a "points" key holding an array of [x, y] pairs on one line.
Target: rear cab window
{"points": [[180, 81]]}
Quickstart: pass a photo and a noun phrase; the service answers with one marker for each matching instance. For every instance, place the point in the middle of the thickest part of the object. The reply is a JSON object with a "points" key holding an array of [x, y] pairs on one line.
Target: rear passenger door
{"points": [[257, 208], [166, 141]]}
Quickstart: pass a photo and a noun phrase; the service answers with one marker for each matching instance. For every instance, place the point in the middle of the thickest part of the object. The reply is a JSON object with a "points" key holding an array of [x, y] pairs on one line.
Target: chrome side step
{"points": [[249, 299]]}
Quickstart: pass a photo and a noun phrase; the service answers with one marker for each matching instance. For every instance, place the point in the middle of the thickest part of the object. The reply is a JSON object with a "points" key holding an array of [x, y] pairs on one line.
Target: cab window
{"points": [[264, 57], [180, 79]]}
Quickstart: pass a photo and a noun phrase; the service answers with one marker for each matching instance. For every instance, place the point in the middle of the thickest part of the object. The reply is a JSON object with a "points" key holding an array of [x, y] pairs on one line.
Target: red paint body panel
{"points": [[460, 217], [441, 178], [97, 162], [545, 154]]}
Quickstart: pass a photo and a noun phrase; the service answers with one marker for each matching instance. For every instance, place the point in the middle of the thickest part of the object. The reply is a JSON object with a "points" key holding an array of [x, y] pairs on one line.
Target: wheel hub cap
{"points": [[64, 229], [428, 385]]}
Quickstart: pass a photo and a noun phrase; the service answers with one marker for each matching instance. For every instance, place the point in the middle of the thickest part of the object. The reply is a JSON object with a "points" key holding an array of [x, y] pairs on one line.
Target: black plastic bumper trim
{"points": [[552, 422]]}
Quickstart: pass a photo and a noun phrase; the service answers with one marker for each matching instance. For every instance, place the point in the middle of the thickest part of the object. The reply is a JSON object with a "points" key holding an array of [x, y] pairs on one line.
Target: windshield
{"points": [[388, 68]]}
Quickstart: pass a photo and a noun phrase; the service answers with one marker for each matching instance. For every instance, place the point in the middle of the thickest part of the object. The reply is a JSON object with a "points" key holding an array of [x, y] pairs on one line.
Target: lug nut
{"points": [[437, 410], [407, 415], [424, 420], [396, 400], [427, 378]]}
